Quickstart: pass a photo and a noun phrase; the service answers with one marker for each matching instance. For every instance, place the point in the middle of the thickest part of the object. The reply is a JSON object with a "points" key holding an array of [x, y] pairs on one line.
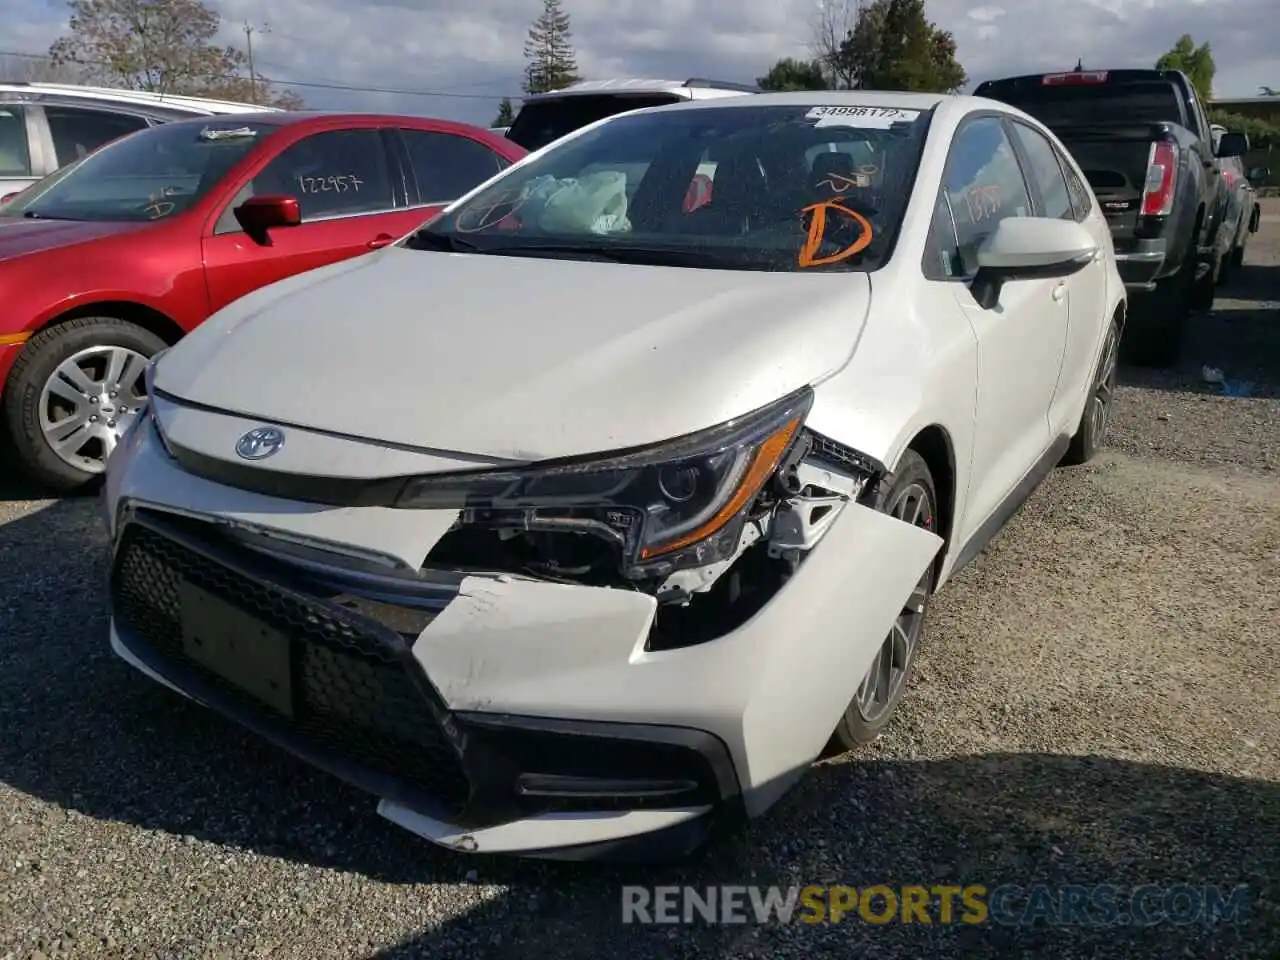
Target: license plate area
{"points": [[238, 648]]}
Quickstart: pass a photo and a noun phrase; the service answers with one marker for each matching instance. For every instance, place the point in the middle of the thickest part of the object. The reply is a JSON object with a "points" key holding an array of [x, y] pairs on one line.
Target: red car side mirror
{"points": [[9, 196], [258, 215]]}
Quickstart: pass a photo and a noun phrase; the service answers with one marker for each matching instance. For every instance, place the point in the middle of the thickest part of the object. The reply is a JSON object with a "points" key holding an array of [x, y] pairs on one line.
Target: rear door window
{"points": [[15, 155], [448, 165], [77, 132], [1055, 199]]}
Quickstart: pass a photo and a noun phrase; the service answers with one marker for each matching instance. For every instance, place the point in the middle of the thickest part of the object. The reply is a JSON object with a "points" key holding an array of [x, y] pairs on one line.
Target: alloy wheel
{"points": [[1104, 388], [883, 683], [89, 401]]}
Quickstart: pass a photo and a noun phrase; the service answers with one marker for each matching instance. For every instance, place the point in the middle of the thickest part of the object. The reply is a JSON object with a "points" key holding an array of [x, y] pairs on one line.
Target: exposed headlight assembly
{"points": [[676, 504]]}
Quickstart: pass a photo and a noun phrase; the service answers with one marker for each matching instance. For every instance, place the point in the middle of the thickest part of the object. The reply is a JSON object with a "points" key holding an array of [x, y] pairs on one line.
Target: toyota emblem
{"points": [[260, 443]]}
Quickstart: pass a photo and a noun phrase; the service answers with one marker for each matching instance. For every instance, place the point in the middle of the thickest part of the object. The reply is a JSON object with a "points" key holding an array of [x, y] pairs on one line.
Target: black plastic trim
{"points": [[1010, 505]]}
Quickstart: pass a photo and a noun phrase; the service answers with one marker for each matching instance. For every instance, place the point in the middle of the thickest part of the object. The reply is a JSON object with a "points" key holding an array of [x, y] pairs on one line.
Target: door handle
{"points": [[381, 240], [1059, 291]]}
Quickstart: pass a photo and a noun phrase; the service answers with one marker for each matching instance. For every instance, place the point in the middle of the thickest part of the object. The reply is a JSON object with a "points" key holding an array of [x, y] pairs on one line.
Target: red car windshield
{"points": [[148, 175]]}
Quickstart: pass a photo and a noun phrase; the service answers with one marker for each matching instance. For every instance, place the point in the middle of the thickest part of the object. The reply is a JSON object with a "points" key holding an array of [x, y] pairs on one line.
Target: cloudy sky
{"points": [[458, 58]]}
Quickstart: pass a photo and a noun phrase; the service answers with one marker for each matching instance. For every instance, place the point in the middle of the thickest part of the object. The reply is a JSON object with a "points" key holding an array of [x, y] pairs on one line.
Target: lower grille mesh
{"points": [[353, 699]]}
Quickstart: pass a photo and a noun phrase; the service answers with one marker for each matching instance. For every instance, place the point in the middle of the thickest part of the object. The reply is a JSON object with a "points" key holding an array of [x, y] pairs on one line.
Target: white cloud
{"points": [[472, 51]]}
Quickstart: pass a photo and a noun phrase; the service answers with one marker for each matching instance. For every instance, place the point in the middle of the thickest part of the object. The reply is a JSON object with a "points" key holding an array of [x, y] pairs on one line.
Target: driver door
{"points": [[353, 201], [1021, 340]]}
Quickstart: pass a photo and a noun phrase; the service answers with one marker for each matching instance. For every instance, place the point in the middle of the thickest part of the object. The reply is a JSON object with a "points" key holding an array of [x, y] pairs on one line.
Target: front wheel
{"points": [[73, 391], [911, 497]]}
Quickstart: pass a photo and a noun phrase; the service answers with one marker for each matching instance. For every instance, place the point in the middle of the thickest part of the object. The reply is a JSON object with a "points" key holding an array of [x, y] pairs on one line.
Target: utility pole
{"points": [[249, 31]]}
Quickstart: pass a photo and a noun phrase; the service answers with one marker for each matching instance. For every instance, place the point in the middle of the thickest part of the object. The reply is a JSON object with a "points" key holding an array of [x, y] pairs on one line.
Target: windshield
{"points": [[781, 188], [149, 175], [1084, 104], [540, 122]]}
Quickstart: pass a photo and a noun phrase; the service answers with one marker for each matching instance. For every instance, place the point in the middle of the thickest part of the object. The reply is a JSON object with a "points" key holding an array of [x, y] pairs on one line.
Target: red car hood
{"points": [[20, 236]]}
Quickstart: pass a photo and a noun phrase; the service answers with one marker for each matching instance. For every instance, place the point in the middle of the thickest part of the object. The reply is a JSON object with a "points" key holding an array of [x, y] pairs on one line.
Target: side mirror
{"points": [[1029, 248], [9, 196], [258, 215], [1259, 173], [1232, 145]]}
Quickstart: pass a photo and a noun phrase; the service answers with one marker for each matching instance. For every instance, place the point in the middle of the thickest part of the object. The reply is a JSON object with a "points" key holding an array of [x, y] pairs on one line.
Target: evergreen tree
{"points": [[506, 114], [894, 46], [551, 60]]}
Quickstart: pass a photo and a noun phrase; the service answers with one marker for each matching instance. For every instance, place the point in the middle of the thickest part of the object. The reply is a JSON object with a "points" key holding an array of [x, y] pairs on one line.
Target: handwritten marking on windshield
{"points": [[478, 218], [340, 183], [818, 229]]}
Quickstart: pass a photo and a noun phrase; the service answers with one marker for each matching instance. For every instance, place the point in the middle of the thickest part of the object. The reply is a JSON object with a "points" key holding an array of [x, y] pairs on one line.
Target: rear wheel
{"points": [[1157, 322], [1092, 431], [911, 497], [73, 391]]}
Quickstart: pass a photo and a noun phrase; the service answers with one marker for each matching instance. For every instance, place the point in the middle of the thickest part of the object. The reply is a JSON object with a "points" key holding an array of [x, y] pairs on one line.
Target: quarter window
{"points": [[335, 173], [983, 185]]}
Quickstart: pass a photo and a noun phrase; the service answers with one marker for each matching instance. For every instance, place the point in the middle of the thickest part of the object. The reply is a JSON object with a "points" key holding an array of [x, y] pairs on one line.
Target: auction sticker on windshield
{"points": [[876, 118]]}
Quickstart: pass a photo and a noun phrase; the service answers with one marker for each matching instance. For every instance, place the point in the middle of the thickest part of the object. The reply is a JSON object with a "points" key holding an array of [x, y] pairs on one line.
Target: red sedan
{"points": [[116, 256]]}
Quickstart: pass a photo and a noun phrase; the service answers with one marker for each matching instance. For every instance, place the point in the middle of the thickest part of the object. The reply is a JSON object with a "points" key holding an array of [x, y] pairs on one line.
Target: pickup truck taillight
{"points": [[1162, 173]]}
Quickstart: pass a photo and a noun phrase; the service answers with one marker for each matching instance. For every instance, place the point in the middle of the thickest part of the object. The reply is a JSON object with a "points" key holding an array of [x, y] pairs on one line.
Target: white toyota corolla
{"points": [[595, 510]]}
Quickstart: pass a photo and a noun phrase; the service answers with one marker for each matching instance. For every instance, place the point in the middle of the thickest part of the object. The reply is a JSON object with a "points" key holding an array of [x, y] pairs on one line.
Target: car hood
{"points": [[20, 236], [516, 358]]}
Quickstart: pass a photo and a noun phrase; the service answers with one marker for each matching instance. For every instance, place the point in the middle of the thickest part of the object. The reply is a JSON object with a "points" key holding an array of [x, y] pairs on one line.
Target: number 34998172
{"points": [[338, 183]]}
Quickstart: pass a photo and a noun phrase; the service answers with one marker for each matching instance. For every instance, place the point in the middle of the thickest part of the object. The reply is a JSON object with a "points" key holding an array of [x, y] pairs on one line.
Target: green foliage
{"points": [[1260, 132], [549, 52], [894, 46], [791, 74], [506, 114], [165, 46], [1196, 62]]}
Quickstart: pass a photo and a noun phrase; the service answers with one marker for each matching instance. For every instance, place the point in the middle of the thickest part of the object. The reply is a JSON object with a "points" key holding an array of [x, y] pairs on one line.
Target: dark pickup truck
{"points": [[1143, 140]]}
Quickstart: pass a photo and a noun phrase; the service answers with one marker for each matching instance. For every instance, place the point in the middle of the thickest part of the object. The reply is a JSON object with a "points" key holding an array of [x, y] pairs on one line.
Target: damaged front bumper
{"points": [[494, 713]]}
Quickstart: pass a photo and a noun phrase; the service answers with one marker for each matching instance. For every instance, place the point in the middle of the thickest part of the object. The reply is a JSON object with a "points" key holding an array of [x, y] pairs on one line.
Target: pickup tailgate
{"points": [[1114, 158]]}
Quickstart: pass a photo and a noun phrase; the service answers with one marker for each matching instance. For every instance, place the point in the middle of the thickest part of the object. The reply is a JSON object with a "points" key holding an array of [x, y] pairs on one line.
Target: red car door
{"points": [[353, 200]]}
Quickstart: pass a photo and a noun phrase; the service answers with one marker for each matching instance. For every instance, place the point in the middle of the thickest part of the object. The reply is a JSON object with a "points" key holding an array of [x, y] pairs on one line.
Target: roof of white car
{"points": [[692, 88], [140, 98]]}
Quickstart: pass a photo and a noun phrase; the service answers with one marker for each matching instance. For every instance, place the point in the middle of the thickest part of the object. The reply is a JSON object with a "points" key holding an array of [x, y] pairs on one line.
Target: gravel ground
{"points": [[1096, 704]]}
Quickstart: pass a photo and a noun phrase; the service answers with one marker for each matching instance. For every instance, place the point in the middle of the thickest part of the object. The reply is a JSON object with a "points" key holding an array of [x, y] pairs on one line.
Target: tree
{"points": [[549, 52], [1196, 62], [834, 23], [165, 46], [1261, 133], [791, 74], [894, 46], [506, 114]]}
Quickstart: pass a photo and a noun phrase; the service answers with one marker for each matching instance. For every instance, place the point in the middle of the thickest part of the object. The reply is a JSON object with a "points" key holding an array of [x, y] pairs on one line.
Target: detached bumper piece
{"points": [[321, 671]]}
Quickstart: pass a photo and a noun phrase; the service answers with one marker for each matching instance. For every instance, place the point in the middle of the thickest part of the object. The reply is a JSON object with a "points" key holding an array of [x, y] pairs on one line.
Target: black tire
{"points": [[1237, 256], [1204, 290], [1091, 432], [860, 726], [1157, 322], [41, 356]]}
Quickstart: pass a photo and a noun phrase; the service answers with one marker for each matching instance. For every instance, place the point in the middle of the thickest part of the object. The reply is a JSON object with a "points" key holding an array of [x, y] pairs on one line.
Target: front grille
{"points": [[354, 702]]}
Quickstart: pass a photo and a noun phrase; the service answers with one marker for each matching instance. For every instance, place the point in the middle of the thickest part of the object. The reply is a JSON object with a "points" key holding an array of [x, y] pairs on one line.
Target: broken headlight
{"points": [[676, 504]]}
